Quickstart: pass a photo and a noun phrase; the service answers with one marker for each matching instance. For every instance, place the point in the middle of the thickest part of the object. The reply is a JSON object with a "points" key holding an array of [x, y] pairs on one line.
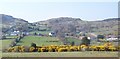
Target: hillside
{"points": [[65, 24], [106, 26], [10, 23]]}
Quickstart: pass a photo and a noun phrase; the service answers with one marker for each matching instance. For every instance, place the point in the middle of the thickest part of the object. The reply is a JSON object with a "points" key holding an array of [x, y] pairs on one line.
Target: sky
{"points": [[39, 10]]}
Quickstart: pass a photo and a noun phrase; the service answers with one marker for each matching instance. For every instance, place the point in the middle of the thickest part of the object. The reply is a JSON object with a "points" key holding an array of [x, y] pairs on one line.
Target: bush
{"points": [[72, 43], [100, 36], [85, 41], [33, 45]]}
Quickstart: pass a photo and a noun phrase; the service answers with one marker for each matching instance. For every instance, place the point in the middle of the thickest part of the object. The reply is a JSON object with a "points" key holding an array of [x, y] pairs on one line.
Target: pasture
{"points": [[46, 41], [5, 43], [42, 32], [70, 40], [63, 54], [40, 41], [11, 37]]}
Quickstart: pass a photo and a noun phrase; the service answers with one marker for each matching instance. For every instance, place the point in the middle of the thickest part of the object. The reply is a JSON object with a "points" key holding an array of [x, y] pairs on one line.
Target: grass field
{"points": [[63, 54], [0, 54], [5, 43], [27, 40], [42, 32], [12, 37], [76, 41]]}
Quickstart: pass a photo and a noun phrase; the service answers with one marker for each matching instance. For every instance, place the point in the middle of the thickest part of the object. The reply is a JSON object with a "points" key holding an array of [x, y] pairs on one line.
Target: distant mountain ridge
{"points": [[105, 26], [8, 18], [110, 19]]}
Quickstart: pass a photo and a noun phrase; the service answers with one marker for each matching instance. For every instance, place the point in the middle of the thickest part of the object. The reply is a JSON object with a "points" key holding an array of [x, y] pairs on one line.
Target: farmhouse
{"points": [[15, 33], [52, 34], [25, 33], [111, 38]]}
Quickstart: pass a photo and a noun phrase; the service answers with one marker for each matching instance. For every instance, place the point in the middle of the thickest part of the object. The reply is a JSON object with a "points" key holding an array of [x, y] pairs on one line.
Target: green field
{"points": [[12, 37], [76, 41], [5, 43], [0, 54], [27, 40], [63, 54]]}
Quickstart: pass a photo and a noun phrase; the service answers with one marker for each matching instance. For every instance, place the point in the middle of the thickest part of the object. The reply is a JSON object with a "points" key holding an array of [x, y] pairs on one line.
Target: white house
{"points": [[111, 39], [15, 33], [50, 34]]}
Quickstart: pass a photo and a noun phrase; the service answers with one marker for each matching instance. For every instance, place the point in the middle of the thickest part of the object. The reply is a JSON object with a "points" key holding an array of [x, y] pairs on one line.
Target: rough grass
{"points": [[0, 54], [12, 37], [27, 40], [42, 32], [5, 43], [70, 40], [63, 54]]}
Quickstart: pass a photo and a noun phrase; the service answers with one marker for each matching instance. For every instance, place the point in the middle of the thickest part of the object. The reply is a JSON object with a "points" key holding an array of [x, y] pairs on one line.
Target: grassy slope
{"points": [[5, 43], [13, 37], [42, 32], [39, 40], [63, 54], [77, 42], [42, 40]]}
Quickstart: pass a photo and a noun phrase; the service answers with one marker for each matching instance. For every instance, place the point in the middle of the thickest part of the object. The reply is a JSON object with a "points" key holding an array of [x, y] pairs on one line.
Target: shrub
{"points": [[33, 45], [85, 41], [32, 49]]}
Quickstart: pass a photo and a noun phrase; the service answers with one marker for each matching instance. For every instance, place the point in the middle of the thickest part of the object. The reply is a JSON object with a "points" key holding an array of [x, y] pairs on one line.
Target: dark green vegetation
{"points": [[85, 41]]}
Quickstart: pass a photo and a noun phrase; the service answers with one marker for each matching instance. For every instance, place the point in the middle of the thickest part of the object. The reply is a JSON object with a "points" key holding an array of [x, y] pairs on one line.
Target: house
{"points": [[25, 33], [92, 36], [52, 34], [112, 39], [14, 33]]}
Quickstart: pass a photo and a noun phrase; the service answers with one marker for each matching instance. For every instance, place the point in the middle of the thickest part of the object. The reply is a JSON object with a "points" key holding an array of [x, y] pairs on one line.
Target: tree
{"points": [[35, 33], [85, 41], [72, 43], [100, 36], [33, 45], [17, 40]]}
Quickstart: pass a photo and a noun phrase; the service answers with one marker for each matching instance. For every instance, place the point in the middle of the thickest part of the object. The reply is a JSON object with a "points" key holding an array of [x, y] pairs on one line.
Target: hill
{"points": [[10, 23], [65, 24], [106, 26]]}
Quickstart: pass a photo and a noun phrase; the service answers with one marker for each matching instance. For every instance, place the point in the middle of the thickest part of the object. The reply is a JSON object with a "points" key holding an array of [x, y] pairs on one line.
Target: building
{"points": [[15, 33], [52, 34]]}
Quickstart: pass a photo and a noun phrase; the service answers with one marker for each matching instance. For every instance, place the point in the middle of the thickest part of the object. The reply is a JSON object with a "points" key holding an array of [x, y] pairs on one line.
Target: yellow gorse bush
{"points": [[66, 48]]}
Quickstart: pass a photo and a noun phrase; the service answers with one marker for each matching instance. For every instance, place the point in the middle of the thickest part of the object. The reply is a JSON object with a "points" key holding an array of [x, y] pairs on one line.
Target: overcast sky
{"points": [[38, 10]]}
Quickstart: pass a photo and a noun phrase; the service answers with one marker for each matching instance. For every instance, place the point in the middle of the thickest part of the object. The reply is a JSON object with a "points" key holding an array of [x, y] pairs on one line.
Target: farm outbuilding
{"points": [[52, 34]]}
